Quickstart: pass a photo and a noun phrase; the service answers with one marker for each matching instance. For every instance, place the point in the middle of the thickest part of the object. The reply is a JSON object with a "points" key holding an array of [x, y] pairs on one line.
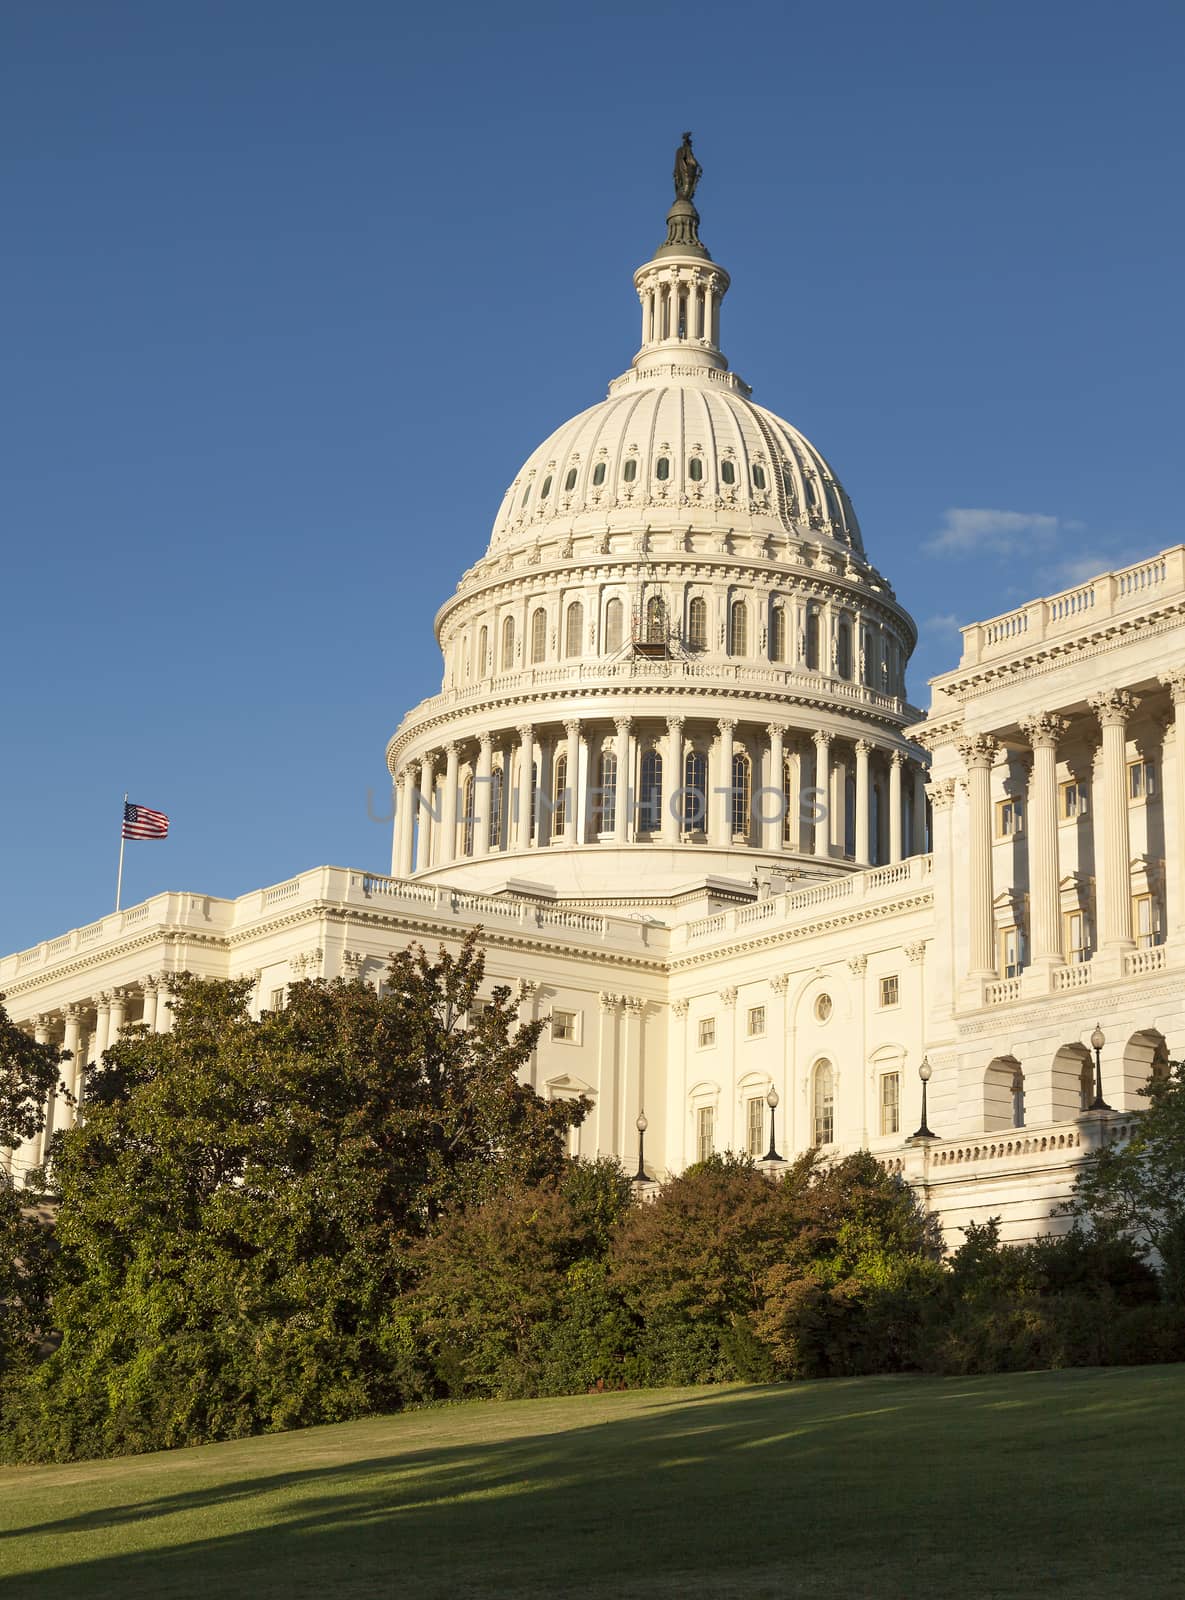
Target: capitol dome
{"points": [[674, 662], [673, 451]]}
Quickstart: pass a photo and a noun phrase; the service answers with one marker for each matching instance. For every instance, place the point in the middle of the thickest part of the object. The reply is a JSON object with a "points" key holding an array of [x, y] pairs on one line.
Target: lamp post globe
{"points": [[1097, 1040], [925, 1072], [771, 1100], [641, 1124]]}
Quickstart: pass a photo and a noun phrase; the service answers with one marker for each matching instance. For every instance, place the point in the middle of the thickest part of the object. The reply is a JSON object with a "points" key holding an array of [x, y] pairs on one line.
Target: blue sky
{"points": [[289, 290]]}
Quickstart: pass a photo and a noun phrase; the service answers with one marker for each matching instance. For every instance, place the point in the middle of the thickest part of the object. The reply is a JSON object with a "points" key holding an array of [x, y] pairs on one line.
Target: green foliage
{"points": [[242, 1203], [1135, 1192]]}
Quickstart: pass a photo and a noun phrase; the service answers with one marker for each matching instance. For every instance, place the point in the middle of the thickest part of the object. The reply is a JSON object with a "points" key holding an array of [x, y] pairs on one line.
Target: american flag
{"points": [[141, 823]]}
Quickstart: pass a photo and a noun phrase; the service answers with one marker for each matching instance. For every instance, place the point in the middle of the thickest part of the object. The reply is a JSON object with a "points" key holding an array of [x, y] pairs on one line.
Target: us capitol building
{"points": [[672, 776]]}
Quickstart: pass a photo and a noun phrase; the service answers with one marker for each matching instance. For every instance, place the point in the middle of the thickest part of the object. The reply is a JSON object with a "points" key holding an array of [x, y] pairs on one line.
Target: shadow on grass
{"points": [[850, 1488]]}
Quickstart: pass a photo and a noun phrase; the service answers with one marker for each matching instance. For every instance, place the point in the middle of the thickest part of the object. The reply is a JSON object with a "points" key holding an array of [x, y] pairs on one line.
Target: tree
{"points": [[1136, 1191], [29, 1072], [241, 1203]]}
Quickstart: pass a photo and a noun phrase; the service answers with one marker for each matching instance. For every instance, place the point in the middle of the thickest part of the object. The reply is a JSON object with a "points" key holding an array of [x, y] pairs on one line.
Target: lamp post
{"points": [[924, 1073], [641, 1124], [771, 1101], [1097, 1040]]}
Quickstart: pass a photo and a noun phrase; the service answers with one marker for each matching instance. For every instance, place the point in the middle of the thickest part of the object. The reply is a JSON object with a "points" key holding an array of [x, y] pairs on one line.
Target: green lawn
{"points": [[1044, 1484]]}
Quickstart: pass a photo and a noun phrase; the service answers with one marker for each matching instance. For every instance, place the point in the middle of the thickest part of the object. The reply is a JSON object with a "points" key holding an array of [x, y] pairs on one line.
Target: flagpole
{"points": [[122, 842]]}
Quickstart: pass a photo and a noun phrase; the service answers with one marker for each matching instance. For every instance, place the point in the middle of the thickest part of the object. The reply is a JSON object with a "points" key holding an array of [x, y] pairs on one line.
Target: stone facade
{"points": [[673, 777]]}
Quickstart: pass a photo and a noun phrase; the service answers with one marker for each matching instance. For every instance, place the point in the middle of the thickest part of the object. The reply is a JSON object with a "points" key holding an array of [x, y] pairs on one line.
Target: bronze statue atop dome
{"points": [[688, 171]]}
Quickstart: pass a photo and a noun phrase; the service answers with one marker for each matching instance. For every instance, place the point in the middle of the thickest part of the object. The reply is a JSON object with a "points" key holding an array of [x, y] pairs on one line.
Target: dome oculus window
{"points": [[598, 474], [546, 489], [695, 470], [728, 473], [662, 469], [759, 477], [570, 480], [629, 472], [526, 495]]}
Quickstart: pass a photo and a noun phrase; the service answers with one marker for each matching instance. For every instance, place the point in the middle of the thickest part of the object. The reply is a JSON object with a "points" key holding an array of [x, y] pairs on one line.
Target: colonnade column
{"points": [[526, 761], [822, 793], [164, 1014], [863, 751], [119, 1007], [918, 842], [401, 865], [149, 1017], [672, 771], [102, 1033], [452, 779], [423, 808], [723, 813], [1174, 682], [1045, 922], [572, 781], [773, 821], [895, 762], [482, 788], [979, 754], [1113, 708], [72, 1072], [622, 784]]}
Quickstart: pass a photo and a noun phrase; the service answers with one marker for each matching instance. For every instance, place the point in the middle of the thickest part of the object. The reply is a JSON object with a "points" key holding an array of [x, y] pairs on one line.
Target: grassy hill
{"points": [[1040, 1484]]}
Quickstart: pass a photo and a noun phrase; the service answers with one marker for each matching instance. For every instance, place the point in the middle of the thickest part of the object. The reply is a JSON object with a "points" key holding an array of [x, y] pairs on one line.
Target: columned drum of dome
{"points": [[675, 583]]}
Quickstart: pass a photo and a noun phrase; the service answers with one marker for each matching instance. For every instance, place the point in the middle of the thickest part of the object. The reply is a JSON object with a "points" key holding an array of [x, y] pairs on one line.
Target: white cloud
{"points": [[945, 622], [989, 532]]}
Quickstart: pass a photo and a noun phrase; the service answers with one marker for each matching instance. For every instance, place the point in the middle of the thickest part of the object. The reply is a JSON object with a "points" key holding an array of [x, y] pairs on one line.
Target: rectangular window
{"points": [[705, 1132], [1010, 953], [1009, 818], [1144, 921], [563, 1026], [890, 993], [756, 1022], [477, 1011], [890, 1102], [1141, 780], [1077, 939], [755, 1126], [1075, 801], [707, 1032], [276, 1003]]}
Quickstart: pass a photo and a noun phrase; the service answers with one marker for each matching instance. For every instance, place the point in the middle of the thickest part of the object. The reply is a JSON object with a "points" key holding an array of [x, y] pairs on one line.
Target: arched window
{"points": [[656, 620], [574, 630], [728, 473], [777, 634], [570, 480], [650, 799], [559, 798], [843, 649], [758, 477], [598, 474], [790, 827], [533, 819], [868, 665], [1085, 1084], [697, 624], [526, 496], [812, 640], [538, 634], [695, 470], [465, 662], [546, 489], [467, 820], [630, 471], [497, 791], [507, 643], [662, 469], [742, 794], [738, 629], [605, 807], [695, 792], [483, 650], [824, 1104], [614, 620]]}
